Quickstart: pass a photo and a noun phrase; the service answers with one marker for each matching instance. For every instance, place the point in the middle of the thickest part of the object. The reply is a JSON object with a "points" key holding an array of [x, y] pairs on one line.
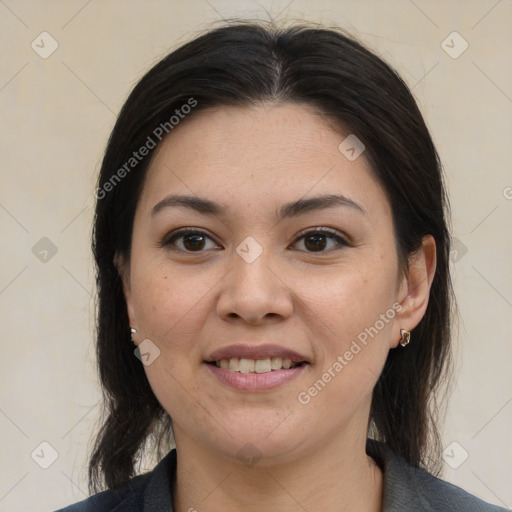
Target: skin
{"points": [[315, 302]]}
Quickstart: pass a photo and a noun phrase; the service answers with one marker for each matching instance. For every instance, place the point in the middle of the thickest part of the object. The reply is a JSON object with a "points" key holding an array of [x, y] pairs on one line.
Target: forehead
{"points": [[260, 154]]}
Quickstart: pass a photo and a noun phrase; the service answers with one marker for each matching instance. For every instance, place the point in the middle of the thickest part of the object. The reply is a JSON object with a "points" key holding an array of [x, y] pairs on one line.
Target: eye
{"points": [[316, 240], [187, 240]]}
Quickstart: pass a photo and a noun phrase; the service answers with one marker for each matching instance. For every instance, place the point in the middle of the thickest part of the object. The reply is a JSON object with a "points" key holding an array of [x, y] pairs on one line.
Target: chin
{"points": [[254, 441], [263, 452]]}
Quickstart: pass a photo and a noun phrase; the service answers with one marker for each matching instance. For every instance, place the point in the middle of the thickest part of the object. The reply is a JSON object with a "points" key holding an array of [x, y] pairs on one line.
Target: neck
{"points": [[329, 478]]}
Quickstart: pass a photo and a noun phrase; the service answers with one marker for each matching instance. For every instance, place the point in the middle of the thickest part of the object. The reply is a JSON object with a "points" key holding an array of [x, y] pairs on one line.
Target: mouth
{"points": [[255, 358], [244, 365]]}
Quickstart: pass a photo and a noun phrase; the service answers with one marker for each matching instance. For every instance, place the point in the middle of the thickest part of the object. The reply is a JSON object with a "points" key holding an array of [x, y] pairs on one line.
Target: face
{"points": [[270, 294]]}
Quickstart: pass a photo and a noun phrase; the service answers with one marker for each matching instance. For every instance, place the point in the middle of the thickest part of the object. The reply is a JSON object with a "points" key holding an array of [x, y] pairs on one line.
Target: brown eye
{"points": [[317, 240], [193, 242], [187, 241]]}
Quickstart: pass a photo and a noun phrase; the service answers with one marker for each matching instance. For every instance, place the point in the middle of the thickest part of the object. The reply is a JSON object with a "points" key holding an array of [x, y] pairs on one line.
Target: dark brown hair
{"points": [[245, 63]]}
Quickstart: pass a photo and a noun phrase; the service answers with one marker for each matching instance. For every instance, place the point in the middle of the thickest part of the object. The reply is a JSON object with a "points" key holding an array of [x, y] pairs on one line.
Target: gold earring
{"points": [[406, 337]]}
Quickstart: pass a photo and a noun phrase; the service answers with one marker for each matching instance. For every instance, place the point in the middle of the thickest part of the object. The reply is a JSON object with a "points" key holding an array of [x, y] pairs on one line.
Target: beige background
{"points": [[56, 114]]}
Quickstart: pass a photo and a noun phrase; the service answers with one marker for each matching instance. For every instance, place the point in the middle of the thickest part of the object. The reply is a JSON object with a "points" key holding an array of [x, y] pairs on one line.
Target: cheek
{"points": [[353, 351], [171, 309], [348, 301], [167, 301], [353, 313]]}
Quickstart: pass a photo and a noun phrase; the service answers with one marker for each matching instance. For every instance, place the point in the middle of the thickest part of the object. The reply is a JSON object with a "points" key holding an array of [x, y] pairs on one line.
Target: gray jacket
{"points": [[406, 488]]}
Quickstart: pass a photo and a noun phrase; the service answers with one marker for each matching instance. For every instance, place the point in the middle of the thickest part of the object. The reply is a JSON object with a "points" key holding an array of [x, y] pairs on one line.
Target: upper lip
{"points": [[242, 351]]}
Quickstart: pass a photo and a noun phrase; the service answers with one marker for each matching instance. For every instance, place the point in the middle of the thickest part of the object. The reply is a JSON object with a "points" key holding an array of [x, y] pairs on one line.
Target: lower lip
{"points": [[256, 381]]}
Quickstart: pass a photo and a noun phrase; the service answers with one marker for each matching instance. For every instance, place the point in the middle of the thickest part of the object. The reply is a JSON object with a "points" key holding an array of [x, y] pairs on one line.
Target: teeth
{"points": [[255, 365], [246, 365], [276, 363], [262, 366]]}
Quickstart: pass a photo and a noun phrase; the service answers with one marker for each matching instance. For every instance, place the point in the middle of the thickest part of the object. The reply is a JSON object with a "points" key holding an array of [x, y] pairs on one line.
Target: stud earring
{"points": [[406, 337], [134, 331]]}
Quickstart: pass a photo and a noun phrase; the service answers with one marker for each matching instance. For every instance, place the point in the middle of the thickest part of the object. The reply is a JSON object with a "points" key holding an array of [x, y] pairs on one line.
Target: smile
{"points": [[244, 365], [253, 367]]}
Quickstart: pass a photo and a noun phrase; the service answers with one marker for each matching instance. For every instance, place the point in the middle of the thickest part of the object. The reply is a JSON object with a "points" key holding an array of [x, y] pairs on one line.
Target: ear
{"points": [[123, 269], [414, 289]]}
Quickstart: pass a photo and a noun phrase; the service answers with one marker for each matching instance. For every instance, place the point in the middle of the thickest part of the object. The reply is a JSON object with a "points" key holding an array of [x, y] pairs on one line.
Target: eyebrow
{"points": [[288, 210]]}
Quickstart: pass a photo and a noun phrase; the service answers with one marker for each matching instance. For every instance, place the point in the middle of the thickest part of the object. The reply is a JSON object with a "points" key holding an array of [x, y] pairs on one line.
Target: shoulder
{"points": [[150, 491], [410, 488], [109, 500]]}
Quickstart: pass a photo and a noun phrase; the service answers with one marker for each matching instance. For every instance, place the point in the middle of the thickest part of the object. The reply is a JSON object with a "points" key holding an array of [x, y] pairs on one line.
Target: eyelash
{"points": [[326, 232]]}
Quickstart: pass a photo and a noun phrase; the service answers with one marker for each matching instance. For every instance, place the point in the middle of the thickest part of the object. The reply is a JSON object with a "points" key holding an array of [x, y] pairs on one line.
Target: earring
{"points": [[406, 337], [134, 331]]}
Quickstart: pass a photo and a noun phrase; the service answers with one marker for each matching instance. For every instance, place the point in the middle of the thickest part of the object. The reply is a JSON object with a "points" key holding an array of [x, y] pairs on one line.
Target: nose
{"points": [[254, 292]]}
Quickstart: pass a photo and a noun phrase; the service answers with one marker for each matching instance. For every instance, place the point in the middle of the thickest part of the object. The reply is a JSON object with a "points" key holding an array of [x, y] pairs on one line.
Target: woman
{"points": [[270, 234]]}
